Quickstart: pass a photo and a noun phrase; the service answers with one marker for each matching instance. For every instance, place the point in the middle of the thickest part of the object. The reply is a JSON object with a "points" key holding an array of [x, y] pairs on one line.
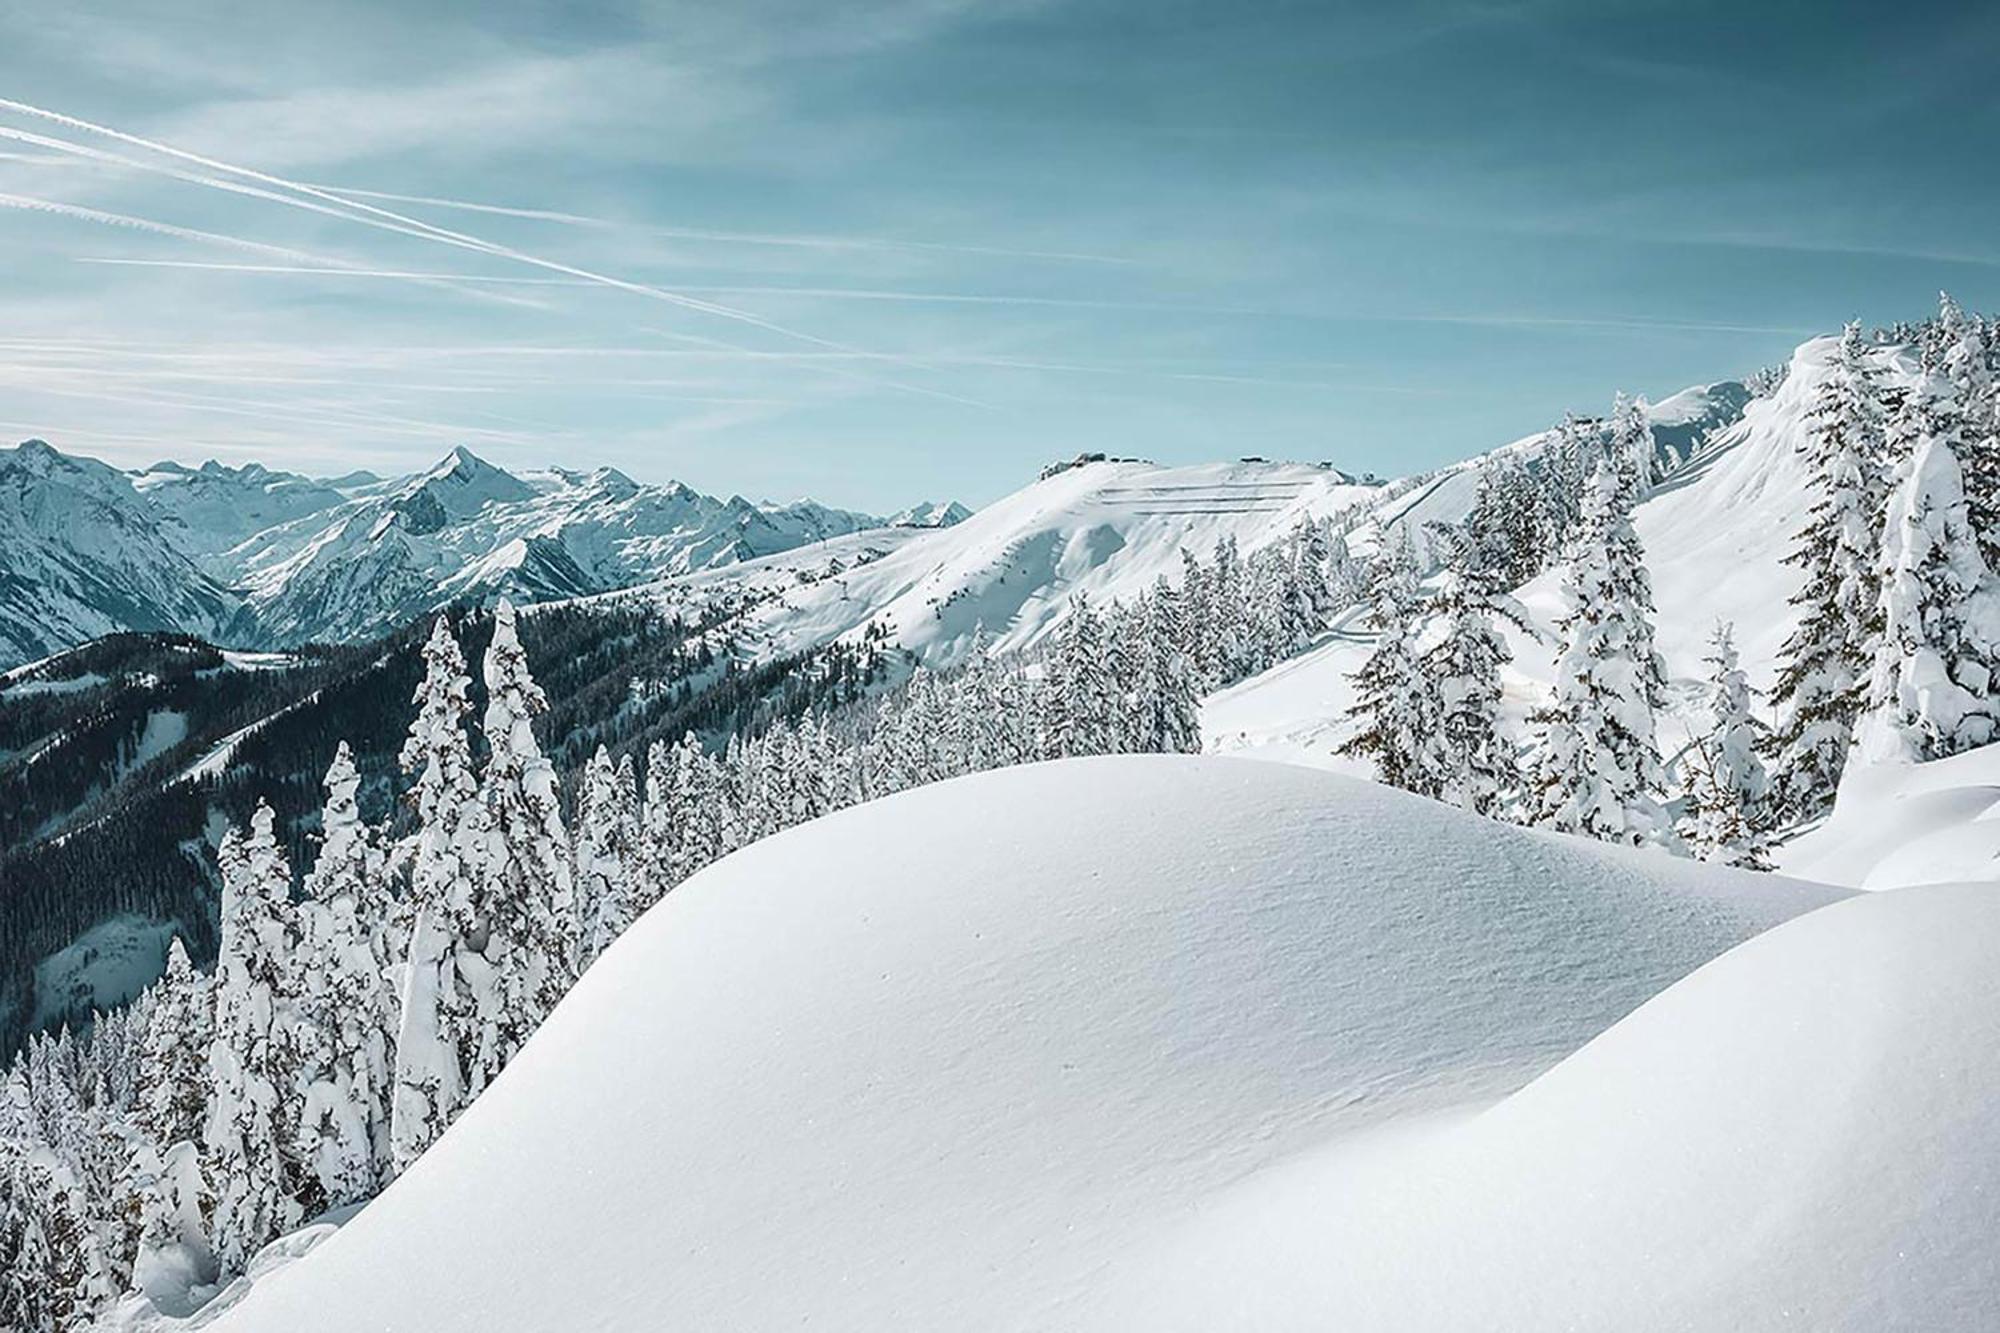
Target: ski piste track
{"points": [[1194, 499]]}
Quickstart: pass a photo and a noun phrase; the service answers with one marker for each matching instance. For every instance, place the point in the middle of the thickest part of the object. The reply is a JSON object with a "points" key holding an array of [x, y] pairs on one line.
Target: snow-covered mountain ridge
{"points": [[257, 557]]}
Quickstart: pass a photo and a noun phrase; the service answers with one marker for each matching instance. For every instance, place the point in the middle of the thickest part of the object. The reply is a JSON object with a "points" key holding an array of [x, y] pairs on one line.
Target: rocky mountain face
{"points": [[259, 558], [82, 553]]}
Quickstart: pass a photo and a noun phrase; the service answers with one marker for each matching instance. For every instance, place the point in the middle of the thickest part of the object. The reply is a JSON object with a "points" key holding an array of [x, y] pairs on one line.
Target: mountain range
{"points": [[258, 558]]}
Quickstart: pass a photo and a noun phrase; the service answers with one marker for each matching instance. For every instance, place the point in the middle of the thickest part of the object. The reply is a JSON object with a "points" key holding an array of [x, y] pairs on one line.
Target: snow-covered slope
{"points": [[953, 1059], [1098, 531], [1716, 532], [1797, 1136], [211, 508], [81, 555]]}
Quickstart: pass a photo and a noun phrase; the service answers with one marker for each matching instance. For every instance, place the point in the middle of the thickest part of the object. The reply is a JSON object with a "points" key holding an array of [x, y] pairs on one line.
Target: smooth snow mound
{"points": [[1798, 1136], [1896, 825], [941, 1061]]}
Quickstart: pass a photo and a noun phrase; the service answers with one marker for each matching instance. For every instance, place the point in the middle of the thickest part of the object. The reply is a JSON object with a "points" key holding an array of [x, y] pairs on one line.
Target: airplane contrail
{"points": [[389, 220], [730, 237]]}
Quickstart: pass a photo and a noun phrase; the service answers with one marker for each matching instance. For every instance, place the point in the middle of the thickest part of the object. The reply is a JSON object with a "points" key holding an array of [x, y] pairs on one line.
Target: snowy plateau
{"points": [[1106, 1041]]}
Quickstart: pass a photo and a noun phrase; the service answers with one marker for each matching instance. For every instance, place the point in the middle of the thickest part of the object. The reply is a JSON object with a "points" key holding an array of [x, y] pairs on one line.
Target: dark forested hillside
{"points": [[122, 761]]}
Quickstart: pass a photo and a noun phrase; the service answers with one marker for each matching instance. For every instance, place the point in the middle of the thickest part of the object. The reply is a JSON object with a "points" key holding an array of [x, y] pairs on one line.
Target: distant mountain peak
{"points": [[930, 514]]}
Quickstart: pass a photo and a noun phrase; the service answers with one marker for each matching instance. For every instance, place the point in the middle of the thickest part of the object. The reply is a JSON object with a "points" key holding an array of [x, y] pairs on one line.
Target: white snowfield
{"points": [[1072, 1045]]}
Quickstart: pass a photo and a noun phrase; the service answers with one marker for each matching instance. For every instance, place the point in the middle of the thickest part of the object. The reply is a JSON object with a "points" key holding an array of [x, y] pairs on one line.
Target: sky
{"points": [[877, 251]]}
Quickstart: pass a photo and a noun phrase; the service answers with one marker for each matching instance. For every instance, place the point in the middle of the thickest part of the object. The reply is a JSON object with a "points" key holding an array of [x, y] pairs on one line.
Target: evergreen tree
{"points": [[1467, 758], [1503, 531], [1824, 664], [523, 870], [246, 1140], [345, 1005], [436, 1018], [606, 899], [1933, 690], [1394, 698], [1079, 689], [1600, 773], [1972, 418], [1728, 788], [1632, 447], [173, 1077]]}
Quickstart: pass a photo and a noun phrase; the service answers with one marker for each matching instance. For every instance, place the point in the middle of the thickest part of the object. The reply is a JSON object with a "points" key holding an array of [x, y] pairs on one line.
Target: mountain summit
{"points": [[265, 558]]}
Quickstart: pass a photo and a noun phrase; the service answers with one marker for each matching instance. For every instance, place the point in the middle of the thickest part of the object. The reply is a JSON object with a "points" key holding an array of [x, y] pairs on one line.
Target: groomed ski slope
{"points": [[974, 1056]]}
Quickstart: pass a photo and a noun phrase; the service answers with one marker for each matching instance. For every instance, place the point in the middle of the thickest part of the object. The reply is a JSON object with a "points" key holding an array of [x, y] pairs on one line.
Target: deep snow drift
{"points": [[1797, 1136], [967, 1057]]}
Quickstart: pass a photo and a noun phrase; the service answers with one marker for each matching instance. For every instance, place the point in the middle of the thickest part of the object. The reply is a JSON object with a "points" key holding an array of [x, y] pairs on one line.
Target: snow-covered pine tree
{"points": [[1169, 705], [1728, 788], [247, 1142], [1567, 463], [1824, 665], [606, 902], [1394, 699], [659, 827], [1079, 688], [694, 797], [1632, 446], [346, 1008], [1311, 554], [1971, 418], [1599, 771], [1503, 529], [164, 1177], [435, 1015], [1468, 759], [522, 864], [56, 1275], [173, 1066], [1933, 690]]}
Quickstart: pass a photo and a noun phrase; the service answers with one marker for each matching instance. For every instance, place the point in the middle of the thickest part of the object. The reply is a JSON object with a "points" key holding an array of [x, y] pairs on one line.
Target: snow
{"points": [[99, 970], [1901, 825], [21, 687], [1715, 532], [959, 1058], [259, 557], [1098, 531], [1797, 1136]]}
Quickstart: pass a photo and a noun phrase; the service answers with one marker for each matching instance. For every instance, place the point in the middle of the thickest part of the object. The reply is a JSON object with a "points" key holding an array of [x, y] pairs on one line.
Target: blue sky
{"points": [[896, 249]]}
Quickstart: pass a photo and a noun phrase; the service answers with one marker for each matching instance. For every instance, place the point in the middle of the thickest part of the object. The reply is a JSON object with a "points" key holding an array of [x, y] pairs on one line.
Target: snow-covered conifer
{"points": [[1394, 700], [1468, 759], [1728, 787], [606, 901], [173, 1066], [1825, 662], [1600, 772], [522, 862], [248, 1145], [435, 1015], [346, 1010], [1933, 690], [1972, 418]]}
